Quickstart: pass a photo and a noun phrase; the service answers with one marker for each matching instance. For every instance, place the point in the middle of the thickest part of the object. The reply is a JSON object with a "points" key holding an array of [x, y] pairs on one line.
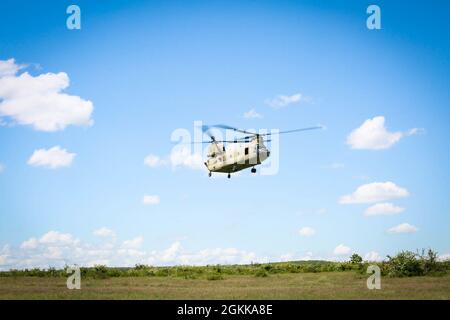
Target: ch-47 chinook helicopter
{"points": [[240, 153]]}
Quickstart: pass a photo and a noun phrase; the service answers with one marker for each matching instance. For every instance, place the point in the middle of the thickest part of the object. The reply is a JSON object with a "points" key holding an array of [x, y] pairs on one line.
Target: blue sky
{"points": [[151, 67]]}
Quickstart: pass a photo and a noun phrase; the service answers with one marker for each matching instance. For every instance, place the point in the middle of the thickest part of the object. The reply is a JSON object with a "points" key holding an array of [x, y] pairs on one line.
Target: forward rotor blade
{"points": [[291, 131], [203, 142], [205, 130], [199, 142], [226, 141]]}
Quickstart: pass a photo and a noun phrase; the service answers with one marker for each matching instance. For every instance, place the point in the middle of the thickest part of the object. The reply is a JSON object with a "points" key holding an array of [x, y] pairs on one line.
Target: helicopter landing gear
{"points": [[229, 175], [209, 174], [253, 170]]}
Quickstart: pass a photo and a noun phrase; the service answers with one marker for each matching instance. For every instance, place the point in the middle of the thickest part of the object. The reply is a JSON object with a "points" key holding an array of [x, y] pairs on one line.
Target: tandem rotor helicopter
{"points": [[240, 153]]}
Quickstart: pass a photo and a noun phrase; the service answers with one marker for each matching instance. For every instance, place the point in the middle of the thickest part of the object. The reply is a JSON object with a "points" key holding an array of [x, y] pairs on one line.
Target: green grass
{"points": [[323, 285]]}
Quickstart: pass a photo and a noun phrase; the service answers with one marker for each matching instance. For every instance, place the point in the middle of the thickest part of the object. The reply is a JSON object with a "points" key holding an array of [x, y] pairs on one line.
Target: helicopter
{"points": [[229, 156]]}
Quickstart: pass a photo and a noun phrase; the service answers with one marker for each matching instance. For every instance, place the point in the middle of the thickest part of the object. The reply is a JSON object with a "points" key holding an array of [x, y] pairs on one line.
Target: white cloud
{"points": [[58, 249], [283, 100], [153, 161], [150, 199], [104, 232], [217, 256], [134, 243], [373, 135], [287, 257], [444, 257], [383, 209], [342, 250], [50, 244], [375, 192], [31, 243], [40, 101], [9, 67], [170, 254], [183, 157], [252, 114], [57, 238], [403, 228], [5, 254], [307, 256], [307, 232], [52, 158], [180, 157], [373, 256], [414, 131]]}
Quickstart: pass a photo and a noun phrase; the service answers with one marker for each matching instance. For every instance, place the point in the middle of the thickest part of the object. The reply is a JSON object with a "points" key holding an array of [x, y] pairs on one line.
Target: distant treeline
{"points": [[404, 264]]}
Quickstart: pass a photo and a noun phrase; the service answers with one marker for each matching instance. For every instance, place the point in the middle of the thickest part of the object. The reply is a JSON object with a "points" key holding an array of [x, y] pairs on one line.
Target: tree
{"points": [[356, 259]]}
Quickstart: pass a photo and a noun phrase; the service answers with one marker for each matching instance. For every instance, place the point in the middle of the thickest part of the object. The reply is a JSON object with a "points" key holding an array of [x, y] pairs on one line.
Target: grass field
{"points": [[324, 285]]}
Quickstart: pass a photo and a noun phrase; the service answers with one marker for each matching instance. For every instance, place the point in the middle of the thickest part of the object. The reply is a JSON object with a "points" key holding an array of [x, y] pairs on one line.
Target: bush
{"points": [[214, 277], [430, 262], [261, 273], [100, 272], [404, 264], [162, 272], [141, 267]]}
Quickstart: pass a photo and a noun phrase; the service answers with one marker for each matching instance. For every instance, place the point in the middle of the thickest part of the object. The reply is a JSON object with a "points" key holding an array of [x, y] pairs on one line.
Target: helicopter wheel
{"points": [[253, 170], [229, 175], [209, 174]]}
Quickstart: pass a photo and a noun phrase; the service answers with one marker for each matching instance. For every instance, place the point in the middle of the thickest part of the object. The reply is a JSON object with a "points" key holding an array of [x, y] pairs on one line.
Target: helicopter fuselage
{"points": [[236, 156]]}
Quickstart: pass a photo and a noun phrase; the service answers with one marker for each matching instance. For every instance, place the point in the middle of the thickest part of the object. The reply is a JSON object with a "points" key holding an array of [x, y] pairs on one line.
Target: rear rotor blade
{"points": [[223, 126], [251, 135], [281, 132]]}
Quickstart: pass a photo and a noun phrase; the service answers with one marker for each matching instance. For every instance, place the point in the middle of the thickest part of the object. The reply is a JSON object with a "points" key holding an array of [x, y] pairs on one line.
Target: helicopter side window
{"points": [[246, 151]]}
